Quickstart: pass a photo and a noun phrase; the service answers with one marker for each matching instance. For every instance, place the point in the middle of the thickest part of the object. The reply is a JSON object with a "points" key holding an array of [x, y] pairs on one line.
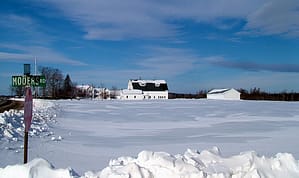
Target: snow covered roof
{"points": [[83, 87], [101, 89], [149, 85], [217, 91], [148, 81], [126, 91]]}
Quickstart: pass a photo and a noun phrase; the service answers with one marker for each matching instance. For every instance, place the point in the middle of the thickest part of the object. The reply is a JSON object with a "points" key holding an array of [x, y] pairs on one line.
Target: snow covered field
{"points": [[85, 135]]}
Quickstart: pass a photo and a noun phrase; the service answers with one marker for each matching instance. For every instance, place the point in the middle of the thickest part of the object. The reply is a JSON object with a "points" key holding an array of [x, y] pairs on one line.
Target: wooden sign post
{"points": [[28, 81], [27, 120]]}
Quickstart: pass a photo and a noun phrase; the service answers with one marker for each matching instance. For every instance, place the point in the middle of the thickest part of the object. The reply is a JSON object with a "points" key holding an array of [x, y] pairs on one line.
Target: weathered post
{"points": [[27, 120], [27, 111]]}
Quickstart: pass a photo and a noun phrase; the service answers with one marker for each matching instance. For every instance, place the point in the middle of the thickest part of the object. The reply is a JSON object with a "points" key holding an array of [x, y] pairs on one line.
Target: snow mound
{"points": [[12, 121], [192, 164], [37, 168], [206, 164]]}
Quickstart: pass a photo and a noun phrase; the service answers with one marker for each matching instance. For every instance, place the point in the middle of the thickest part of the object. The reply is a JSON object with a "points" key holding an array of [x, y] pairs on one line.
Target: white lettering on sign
{"points": [[33, 80]]}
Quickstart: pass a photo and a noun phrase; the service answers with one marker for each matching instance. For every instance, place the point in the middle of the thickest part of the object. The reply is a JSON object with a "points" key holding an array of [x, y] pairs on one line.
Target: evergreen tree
{"points": [[68, 87]]}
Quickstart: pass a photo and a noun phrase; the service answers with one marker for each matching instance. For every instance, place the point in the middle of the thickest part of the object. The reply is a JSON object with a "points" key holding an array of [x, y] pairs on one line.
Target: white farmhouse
{"points": [[101, 93], [84, 90], [224, 94], [145, 89]]}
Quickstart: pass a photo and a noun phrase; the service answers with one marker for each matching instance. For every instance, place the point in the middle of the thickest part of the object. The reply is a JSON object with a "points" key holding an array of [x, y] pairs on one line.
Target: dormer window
{"points": [[142, 84]]}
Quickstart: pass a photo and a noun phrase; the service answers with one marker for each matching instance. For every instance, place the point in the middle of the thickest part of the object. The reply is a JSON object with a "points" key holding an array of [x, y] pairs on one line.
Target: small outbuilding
{"points": [[224, 94], [132, 94]]}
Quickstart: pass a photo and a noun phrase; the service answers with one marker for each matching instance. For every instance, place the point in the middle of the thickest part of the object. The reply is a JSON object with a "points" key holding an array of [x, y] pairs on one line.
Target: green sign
{"points": [[30, 80]]}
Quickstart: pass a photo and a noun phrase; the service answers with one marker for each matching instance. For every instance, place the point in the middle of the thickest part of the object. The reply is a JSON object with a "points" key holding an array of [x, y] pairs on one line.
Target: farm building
{"points": [[84, 90], [145, 89], [90, 91], [224, 94]]}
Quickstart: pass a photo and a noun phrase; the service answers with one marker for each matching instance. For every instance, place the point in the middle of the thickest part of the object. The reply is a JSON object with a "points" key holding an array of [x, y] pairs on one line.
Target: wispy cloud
{"points": [[28, 53], [112, 20], [24, 28], [32, 42], [274, 18], [168, 61], [158, 62], [252, 66], [142, 19], [15, 22]]}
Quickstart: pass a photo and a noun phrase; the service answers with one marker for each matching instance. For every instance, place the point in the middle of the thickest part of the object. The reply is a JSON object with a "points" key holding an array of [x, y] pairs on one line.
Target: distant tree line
{"points": [[252, 94], [257, 94], [198, 95]]}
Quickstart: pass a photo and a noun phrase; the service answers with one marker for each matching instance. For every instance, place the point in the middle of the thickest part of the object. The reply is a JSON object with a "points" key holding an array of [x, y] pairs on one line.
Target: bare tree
{"points": [[54, 81]]}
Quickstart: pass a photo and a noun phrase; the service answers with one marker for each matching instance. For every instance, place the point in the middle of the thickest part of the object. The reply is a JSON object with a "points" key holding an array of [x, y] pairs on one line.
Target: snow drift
{"points": [[187, 123], [12, 122], [192, 164], [37, 168], [207, 164]]}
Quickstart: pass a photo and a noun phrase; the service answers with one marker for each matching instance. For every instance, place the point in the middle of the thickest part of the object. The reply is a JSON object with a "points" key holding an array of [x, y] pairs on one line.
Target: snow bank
{"points": [[206, 164], [37, 168], [192, 164], [12, 121]]}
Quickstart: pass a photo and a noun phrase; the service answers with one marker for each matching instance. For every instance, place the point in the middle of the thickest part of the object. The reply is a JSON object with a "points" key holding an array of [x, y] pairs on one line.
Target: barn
{"points": [[145, 89], [224, 94]]}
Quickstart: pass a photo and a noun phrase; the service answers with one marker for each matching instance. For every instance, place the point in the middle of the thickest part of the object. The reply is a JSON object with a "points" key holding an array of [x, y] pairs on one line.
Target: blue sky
{"points": [[193, 44]]}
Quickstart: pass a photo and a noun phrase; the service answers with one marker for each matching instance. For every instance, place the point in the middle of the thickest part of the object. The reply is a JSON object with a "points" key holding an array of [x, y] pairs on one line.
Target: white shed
{"points": [[224, 94], [127, 94]]}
